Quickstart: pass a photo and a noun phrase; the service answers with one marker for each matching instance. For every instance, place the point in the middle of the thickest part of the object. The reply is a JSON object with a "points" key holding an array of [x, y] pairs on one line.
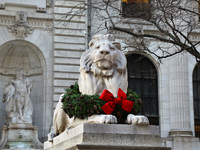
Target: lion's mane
{"points": [[103, 66]]}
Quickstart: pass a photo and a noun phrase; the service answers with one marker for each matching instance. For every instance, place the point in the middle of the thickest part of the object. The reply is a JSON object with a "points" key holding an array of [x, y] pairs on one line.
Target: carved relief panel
{"points": [[20, 28]]}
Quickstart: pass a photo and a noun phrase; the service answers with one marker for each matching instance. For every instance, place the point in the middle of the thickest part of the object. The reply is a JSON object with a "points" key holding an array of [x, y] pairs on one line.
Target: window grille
{"points": [[142, 78], [196, 97]]}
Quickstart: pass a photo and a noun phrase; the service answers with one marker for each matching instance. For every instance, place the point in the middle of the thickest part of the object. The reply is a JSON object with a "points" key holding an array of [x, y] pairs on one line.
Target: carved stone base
{"points": [[20, 136], [184, 143], [13, 117], [180, 133], [108, 137]]}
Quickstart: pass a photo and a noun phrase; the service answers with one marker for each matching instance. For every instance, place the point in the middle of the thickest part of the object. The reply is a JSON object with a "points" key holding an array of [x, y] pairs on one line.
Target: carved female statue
{"points": [[17, 97]]}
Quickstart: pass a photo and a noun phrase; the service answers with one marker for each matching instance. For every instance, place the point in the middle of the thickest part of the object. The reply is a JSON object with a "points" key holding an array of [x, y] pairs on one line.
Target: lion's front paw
{"points": [[103, 119], [137, 120]]}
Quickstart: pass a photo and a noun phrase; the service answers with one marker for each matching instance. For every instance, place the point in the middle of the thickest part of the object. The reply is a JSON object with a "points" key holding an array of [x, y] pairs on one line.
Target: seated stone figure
{"points": [[17, 97], [102, 66]]}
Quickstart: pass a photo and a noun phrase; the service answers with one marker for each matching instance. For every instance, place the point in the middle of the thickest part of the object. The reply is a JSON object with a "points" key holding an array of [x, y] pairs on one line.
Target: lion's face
{"points": [[103, 56], [103, 66]]}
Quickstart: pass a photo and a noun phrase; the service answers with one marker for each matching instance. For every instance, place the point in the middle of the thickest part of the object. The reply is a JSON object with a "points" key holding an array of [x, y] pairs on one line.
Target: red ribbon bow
{"points": [[109, 107]]}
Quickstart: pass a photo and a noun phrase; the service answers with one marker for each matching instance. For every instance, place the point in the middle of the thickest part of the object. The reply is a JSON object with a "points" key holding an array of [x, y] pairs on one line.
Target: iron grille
{"points": [[142, 78], [196, 96]]}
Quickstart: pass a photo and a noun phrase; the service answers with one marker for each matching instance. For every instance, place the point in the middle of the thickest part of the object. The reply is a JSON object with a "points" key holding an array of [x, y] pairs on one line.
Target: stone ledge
{"points": [[108, 136], [114, 147]]}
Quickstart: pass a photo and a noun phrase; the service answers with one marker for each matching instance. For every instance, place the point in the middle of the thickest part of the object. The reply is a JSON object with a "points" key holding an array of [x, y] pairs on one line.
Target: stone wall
{"points": [[3, 81], [32, 37], [69, 44]]}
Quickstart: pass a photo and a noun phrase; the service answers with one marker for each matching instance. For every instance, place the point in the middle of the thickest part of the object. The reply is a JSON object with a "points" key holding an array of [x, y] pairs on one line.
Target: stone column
{"points": [[179, 96]]}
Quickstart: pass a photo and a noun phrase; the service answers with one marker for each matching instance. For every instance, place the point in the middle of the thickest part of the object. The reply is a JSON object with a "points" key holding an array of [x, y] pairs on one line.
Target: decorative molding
{"points": [[21, 18], [19, 55], [48, 3], [21, 25], [20, 31], [7, 20], [180, 133], [42, 10], [2, 6], [44, 24], [20, 28]]}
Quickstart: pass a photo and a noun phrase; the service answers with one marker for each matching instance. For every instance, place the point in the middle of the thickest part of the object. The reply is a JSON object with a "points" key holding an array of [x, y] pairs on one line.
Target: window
{"points": [[136, 9], [142, 78], [196, 97]]}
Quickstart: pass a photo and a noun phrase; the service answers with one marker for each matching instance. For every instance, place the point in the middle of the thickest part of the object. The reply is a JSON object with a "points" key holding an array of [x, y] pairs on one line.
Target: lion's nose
{"points": [[104, 52]]}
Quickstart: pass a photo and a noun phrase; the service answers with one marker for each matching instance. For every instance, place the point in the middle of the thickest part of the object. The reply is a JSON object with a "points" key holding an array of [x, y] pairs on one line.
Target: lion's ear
{"points": [[91, 43], [86, 61], [117, 45], [121, 62], [94, 39]]}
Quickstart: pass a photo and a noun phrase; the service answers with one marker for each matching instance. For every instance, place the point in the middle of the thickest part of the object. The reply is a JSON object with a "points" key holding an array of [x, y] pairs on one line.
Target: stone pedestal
{"points": [[20, 136], [184, 143], [108, 137]]}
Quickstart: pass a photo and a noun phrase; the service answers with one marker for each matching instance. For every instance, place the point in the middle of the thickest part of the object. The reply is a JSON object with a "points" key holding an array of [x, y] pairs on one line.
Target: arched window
{"points": [[196, 96], [142, 78]]}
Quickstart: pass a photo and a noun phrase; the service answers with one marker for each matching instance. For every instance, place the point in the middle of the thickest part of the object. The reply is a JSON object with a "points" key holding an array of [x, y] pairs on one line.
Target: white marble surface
{"points": [[108, 136], [103, 66], [17, 98], [39, 3]]}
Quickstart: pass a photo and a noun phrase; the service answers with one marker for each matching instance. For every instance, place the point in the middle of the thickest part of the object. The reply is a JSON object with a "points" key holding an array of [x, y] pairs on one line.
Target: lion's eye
{"points": [[97, 47], [112, 47]]}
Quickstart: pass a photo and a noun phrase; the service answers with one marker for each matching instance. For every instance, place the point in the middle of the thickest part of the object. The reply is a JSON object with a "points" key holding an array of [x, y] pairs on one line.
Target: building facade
{"points": [[37, 37]]}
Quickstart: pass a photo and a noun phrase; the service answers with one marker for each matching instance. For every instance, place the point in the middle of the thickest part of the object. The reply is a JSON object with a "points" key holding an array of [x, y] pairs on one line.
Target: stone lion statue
{"points": [[102, 66]]}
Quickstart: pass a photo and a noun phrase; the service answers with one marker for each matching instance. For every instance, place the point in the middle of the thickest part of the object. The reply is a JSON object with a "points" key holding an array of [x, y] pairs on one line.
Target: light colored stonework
{"points": [[108, 136], [103, 66], [16, 95], [20, 136], [33, 53], [20, 28], [57, 46]]}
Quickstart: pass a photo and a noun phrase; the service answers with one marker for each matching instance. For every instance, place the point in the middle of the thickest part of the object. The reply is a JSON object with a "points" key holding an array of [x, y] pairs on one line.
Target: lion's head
{"points": [[103, 66], [103, 56]]}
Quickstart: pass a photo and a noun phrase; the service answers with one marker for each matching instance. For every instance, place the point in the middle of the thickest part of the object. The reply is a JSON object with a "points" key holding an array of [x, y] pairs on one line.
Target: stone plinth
{"points": [[108, 136], [183, 143], [20, 136]]}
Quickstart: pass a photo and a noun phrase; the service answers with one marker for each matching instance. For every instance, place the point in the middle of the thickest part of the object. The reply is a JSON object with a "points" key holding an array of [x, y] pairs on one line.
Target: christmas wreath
{"points": [[83, 106]]}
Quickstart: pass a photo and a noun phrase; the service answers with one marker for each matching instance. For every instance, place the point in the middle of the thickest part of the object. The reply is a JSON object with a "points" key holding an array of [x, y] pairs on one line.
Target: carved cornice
{"points": [[7, 20], [43, 24]]}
